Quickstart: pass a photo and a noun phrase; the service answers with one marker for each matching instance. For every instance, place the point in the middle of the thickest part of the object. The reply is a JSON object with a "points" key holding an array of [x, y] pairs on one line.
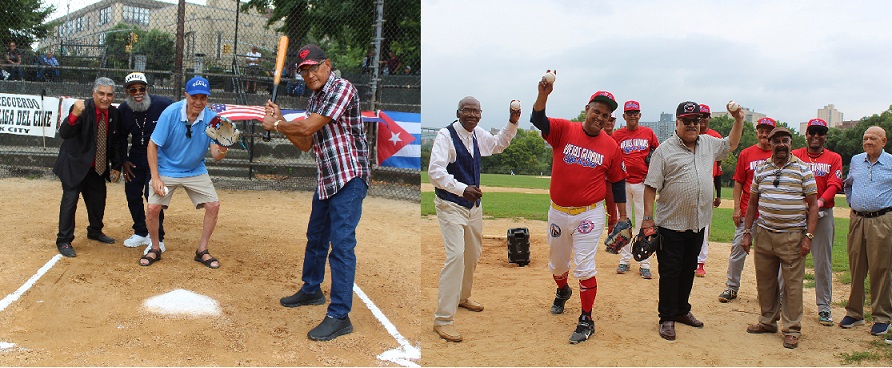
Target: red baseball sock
{"points": [[561, 280], [587, 291]]}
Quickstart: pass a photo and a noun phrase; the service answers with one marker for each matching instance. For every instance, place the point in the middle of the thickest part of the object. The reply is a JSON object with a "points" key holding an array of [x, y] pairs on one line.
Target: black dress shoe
{"points": [[689, 320], [300, 298], [331, 328], [667, 330], [65, 249], [102, 238]]}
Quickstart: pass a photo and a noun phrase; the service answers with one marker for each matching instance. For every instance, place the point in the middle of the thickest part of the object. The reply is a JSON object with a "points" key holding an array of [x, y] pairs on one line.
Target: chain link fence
{"points": [[373, 44]]}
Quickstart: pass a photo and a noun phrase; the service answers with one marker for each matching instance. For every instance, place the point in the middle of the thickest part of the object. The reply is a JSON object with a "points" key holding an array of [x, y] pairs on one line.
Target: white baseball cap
{"points": [[135, 77]]}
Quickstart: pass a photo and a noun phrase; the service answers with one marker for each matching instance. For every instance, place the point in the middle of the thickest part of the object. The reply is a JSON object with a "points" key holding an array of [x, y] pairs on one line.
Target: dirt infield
{"points": [[516, 328], [87, 311]]}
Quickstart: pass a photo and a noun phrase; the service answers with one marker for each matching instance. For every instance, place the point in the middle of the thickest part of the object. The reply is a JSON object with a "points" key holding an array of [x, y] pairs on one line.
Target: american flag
{"points": [[239, 112]]}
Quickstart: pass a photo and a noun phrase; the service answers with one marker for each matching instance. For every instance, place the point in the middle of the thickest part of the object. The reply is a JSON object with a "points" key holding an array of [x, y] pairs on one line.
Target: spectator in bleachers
{"points": [[48, 67], [13, 58]]}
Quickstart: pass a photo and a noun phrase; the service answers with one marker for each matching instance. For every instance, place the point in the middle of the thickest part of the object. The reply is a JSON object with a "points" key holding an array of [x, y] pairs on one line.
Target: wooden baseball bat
{"points": [[280, 64]]}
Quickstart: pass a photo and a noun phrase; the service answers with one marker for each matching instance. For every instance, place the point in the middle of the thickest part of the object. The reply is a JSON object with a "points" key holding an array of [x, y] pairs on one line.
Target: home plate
{"points": [[183, 302]]}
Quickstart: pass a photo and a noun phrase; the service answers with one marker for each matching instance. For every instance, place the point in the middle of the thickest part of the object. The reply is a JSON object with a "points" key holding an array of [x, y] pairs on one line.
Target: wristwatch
{"points": [[810, 236], [647, 218]]}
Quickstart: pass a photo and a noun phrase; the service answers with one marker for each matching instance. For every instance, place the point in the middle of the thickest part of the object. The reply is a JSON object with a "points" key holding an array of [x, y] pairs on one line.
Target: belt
{"points": [[573, 210], [873, 214]]}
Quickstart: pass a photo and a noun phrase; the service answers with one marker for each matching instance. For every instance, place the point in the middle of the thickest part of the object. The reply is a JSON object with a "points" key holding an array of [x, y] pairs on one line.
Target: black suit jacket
{"points": [[78, 148]]}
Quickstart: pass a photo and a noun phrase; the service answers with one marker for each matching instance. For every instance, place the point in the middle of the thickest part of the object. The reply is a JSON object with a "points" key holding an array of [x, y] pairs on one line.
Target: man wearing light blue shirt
{"points": [[869, 193], [176, 155]]}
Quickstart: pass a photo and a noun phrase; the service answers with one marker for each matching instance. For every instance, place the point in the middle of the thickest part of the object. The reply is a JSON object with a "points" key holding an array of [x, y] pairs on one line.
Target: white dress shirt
{"points": [[443, 152]]}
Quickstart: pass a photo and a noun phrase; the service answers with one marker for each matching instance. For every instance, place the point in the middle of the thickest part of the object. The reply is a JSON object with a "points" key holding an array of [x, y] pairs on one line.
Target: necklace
{"points": [[142, 131], [812, 156]]}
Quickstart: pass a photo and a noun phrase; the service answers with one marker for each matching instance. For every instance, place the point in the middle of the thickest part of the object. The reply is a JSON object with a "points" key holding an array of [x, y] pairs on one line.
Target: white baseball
{"points": [[165, 191], [515, 104], [549, 77], [733, 106]]}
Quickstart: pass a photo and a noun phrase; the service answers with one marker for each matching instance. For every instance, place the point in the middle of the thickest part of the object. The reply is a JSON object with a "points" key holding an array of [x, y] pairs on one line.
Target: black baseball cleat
{"points": [[300, 298], [584, 328], [560, 298], [66, 249]]}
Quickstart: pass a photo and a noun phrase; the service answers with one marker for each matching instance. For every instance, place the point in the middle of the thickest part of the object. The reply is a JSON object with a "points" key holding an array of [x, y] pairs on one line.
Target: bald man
{"points": [[869, 193]]}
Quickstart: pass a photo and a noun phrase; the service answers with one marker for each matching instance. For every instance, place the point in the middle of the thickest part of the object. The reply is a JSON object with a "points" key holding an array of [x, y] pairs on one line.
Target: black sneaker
{"points": [[727, 295], [330, 328], [584, 328], [65, 249], [560, 298], [300, 298]]}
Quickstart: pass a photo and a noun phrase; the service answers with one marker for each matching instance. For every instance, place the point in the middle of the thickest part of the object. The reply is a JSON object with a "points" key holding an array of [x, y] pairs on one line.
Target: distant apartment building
{"points": [[748, 114], [209, 29], [663, 128], [831, 115]]}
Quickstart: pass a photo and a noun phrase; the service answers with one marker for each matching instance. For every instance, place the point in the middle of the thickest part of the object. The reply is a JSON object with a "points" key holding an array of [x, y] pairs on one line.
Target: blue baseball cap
{"points": [[198, 86]]}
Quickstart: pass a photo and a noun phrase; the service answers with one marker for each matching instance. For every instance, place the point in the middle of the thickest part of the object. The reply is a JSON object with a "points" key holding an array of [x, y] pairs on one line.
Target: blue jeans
{"points": [[334, 221]]}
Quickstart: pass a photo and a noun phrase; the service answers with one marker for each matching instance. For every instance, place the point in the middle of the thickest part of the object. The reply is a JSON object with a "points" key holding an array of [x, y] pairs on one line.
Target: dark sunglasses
{"points": [[816, 132], [690, 121], [777, 178], [134, 89], [188, 130]]}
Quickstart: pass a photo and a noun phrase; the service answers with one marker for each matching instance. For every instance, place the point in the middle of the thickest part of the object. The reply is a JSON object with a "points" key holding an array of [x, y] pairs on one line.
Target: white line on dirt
{"points": [[9, 299], [406, 354]]}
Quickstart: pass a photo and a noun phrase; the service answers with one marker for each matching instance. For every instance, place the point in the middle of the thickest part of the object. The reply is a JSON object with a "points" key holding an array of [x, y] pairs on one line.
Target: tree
{"points": [[158, 46], [25, 21], [527, 155], [344, 28]]}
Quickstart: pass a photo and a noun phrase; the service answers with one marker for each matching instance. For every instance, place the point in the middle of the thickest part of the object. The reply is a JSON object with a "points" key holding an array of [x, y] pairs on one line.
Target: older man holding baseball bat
{"points": [[333, 130]]}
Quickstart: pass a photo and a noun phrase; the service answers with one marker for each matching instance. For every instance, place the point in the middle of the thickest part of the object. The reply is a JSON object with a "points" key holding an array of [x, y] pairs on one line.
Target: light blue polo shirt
{"points": [[178, 156]]}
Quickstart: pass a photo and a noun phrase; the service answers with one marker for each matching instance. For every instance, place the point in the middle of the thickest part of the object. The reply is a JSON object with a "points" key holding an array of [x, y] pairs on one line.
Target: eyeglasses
{"points": [[311, 69], [689, 121], [777, 178], [468, 111], [134, 89], [816, 132], [188, 130]]}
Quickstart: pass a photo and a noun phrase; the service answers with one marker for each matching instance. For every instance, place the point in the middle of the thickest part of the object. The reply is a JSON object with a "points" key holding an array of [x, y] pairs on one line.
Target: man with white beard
{"points": [[139, 114]]}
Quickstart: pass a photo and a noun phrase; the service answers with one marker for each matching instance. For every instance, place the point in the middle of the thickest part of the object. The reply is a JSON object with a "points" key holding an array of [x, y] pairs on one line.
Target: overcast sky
{"points": [[785, 59]]}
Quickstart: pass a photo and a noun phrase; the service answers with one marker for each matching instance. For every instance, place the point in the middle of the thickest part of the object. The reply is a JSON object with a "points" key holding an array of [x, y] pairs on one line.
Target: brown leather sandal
{"points": [[207, 262], [157, 258]]}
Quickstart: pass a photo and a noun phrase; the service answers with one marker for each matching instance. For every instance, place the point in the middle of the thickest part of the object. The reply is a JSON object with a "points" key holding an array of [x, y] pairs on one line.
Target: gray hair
{"points": [[103, 81], [466, 100]]}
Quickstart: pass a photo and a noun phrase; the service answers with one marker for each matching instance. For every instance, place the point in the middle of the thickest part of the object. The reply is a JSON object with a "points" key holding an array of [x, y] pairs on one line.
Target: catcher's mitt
{"points": [[619, 237], [646, 243], [222, 131]]}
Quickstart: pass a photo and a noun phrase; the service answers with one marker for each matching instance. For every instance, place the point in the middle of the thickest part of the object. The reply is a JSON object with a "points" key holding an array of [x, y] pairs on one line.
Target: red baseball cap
{"points": [[767, 121], [704, 109], [631, 105], [818, 122], [606, 97]]}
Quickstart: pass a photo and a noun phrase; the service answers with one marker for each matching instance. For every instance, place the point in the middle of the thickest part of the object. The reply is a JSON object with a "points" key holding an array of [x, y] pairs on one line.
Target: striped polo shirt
{"points": [[783, 208]]}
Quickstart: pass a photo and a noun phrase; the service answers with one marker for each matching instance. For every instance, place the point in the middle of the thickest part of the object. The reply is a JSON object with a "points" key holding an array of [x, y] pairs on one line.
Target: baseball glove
{"points": [[619, 237], [646, 243], [222, 131]]}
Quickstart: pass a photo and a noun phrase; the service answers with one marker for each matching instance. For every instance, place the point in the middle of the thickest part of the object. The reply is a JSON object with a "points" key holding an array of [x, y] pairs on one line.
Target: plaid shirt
{"points": [[341, 148]]}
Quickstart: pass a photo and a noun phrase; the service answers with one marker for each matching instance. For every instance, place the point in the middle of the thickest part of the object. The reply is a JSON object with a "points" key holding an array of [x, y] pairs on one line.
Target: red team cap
{"points": [[704, 110], [819, 123], [631, 105], [606, 97], [310, 55], [767, 121], [687, 108]]}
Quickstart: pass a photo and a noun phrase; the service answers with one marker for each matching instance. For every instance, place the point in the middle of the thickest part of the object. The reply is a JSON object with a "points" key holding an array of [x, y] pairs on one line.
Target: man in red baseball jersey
{"points": [[636, 142], [584, 161], [827, 167], [747, 162], [706, 114]]}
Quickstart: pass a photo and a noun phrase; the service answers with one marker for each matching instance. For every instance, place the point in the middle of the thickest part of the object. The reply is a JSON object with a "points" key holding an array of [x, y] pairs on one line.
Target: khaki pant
{"points": [[870, 251], [462, 231], [773, 250]]}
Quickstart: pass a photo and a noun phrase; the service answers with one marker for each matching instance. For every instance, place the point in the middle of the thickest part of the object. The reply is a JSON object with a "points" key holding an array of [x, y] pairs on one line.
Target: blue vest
{"points": [[465, 169]]}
